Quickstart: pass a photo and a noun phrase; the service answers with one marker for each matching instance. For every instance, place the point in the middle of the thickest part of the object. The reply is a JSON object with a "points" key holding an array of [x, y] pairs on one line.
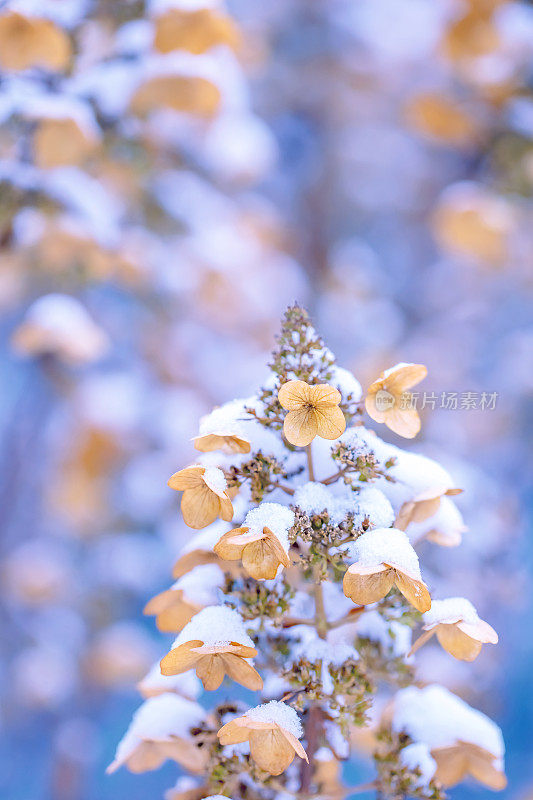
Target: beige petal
{"points": [[403, 421], [180, 659], [296, 744], [146, 757], [452, 764], [210, 670], [187, 478], [365, 589], [271, 750], [234, 732], [186, 753], [479, 630], [457, 643], [228, 546], [277, 547], [260, 561], [225, 509], [195, 558], [300, 427], [325, 395], [199, 507], [422, 639], [243, 650], [242, 672], [414, 591], [405, 378], [161, 601], [175, 618], [373, 412], [481, 766], [226, 443], [294, 394], [331, 422]]}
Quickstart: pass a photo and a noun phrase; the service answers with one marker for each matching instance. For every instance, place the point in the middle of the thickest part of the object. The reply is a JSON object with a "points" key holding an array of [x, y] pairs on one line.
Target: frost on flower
{"points": [[461, 739], [458, 627], [385, 557], [205, 495], [417, 756], [225, 429], [160, 729]]}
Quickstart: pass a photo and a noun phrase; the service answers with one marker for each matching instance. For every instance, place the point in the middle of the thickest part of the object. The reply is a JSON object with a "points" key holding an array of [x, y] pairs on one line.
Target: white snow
{"points": [[438, 718], [395, 368], [159, 719], [274, 516], [279, 713], [201, 585], [340, 500], [215, 625], [360, 439], [215, 479], [453, 609], [346, 383], [226, 420], [393, 637], [387, 545], [447, 521], [186, 683], [375, 506], [310, 646], [205, 539], [417, 755]]}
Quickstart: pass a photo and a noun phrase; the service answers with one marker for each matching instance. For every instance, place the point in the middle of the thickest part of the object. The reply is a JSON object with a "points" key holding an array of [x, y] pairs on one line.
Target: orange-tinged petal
{"points": [[227, 444], [161, 601], [174, 618], [225, 509], [187, 478], [271, 750], [331, 422], [452, 764], [199, 506], [405, 378], [479, 630], [294, 394], [481, 766], [180, 659], [367, 588], [300, 427], [234, 732], [260, 561], [294, 742], [415, 591], [325, 395], [242, 672], [457, 643], [210, 670], [229, 546], [373, 412], [403, 421]]}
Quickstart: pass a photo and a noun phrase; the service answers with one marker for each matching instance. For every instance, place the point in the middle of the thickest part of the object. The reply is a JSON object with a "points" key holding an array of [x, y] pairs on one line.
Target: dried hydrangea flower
{"points": [[385, 558], [273, 730], [459, 629], [262, 542], [313, 411], [159, 730], [425, 505], [223, 429], [216, 644], [387, 398], [205, 495], [174, 607]]}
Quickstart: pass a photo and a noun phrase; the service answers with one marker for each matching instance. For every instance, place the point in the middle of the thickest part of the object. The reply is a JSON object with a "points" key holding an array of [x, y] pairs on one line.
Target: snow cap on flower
{"points": [[205, 495], [216, 644], [385, 557], [224, 429], [273, 730], [174, 607], [313, 411], [462, 740], [459, 629], [262, 542], [388, 400], [158, 731]]}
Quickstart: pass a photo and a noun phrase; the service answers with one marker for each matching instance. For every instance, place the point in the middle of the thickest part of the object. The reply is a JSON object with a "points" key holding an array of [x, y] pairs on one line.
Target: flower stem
{"points": [[310, 468], [335, 477]]}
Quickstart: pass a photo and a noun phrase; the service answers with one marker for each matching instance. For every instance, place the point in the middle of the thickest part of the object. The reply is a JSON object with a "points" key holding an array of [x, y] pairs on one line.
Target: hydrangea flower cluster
{"points": [[309, 596]]}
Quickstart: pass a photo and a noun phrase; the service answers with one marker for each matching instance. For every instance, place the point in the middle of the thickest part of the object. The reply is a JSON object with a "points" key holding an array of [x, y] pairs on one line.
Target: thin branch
{"points": [[286, 489], [363, 787], [335, 477], [349, 617], [310, 467]]}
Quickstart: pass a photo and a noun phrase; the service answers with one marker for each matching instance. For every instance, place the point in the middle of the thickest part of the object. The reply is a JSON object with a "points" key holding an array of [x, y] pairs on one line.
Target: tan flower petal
{"points": [[229, 546], [146, 757], [457, 643], [405, 378], [175, 618], [260, 561], [225, 509], [227, 444], [367, 588], [294, 742], [373, 412], [243, 650], [479, 630], [300, 427], [180, 659], [415, 591], [452, 764], [422, 639], [187, 478], [481, 767], [331, 422], [234, 732], [210, 670], [271, 750], [277, 547], [242, 672], [195, 558], [294, 394], [403, 421], [199, 506], [325, 395], [161, 601]]}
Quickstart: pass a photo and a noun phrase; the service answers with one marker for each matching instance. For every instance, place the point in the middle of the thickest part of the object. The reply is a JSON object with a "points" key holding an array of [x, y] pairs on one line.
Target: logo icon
{"points": [[384, 400]]}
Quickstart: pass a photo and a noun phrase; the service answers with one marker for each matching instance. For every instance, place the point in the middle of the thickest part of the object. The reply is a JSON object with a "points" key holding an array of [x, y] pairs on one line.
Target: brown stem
{"points": [[290, 622], [310, 468], [313, 729], [335, 477], [286, 489], [349, 617]]}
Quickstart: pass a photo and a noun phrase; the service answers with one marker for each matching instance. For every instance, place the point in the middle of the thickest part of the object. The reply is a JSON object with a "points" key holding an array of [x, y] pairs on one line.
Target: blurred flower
{"points": [[388, 400], [459, 629], [32, 42]]}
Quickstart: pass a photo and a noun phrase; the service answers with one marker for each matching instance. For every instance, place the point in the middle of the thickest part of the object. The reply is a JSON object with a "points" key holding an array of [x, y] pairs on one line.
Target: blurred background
{"points": [[174, 173]]}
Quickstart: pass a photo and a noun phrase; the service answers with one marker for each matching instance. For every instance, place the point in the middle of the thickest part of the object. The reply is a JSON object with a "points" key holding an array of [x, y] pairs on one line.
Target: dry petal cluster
{"points": [[388, 399], [202, 501], [313, 411]]}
